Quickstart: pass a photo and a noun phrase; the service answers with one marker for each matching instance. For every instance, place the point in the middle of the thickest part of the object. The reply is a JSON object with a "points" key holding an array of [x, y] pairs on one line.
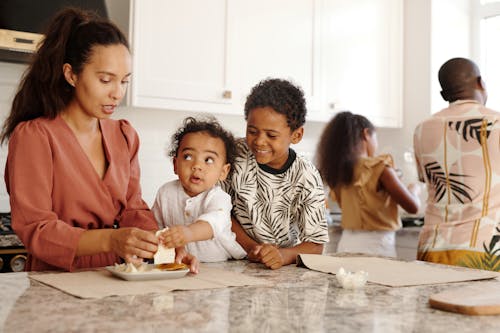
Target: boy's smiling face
{"points": [[269, 136]]}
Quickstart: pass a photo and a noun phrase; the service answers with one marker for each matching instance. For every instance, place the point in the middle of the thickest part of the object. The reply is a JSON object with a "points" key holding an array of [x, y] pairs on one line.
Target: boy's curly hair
{"points": [[209, 125], [283, 97]]}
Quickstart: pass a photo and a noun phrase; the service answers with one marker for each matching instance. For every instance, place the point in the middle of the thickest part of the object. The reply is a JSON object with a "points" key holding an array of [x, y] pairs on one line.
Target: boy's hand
{"points": [[176, 236], [253, 254], [271, 256], [268, 254]]}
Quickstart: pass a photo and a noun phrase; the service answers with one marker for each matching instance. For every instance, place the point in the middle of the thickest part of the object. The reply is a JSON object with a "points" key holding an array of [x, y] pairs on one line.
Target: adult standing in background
{"points": [[458, 156], [72, 173]]}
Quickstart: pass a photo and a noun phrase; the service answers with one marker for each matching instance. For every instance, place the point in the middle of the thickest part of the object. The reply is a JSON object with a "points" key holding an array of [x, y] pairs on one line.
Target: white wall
{"points": [[451, 37], [416, 81], [434, 31], [155, 126]]}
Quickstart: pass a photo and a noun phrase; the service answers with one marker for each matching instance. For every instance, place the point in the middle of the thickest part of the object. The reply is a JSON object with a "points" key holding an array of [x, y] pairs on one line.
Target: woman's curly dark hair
{"points": [[209, 125], [283, 97], [338, 147]]}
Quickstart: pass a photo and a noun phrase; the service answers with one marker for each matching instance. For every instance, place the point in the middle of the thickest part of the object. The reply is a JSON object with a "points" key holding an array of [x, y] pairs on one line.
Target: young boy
{"points": [[278, 196], [195, 209]]}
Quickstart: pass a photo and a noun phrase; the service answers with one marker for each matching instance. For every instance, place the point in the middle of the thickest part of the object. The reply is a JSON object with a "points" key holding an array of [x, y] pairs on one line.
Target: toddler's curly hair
{"points": [[209, 125]]}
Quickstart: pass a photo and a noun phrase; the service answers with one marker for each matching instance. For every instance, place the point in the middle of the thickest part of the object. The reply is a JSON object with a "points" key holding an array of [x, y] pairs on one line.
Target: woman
{"points": [[72, 173]]}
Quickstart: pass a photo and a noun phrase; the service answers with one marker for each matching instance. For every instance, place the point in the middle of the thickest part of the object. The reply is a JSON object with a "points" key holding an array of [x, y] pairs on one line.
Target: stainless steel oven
{"points": [[12, 251]]}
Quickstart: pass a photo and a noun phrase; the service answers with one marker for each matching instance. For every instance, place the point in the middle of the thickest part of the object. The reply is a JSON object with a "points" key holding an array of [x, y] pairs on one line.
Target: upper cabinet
{"points": [[205, 56], [271, 39], [180, 57], [362, 58]]}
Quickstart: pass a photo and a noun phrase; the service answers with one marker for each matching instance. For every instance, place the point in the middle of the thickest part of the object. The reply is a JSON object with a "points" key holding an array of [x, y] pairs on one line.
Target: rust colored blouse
{"points": [[56, 194]]}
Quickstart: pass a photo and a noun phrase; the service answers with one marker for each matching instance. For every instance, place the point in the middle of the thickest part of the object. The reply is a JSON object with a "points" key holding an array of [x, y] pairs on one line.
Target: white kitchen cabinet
{"points": [[9, 80], [179, 51], [205, 56], [361, 58], [272, 39]]}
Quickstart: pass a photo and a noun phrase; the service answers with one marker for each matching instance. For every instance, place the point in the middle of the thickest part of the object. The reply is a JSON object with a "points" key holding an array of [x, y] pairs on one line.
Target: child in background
{"points": [[278, 196], [196, 211], [365, 186]]}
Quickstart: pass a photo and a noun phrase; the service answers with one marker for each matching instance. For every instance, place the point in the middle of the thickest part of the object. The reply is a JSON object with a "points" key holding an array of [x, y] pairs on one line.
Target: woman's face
{"points": [[103, 81]]}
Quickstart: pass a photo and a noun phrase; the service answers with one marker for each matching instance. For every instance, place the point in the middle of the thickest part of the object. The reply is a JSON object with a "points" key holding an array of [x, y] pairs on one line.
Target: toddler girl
{"points": [[365, 186]]}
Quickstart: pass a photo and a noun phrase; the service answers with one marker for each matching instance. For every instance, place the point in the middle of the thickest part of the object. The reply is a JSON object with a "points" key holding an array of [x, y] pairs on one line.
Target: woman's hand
{"points": [[181, 255], [133, 244]]}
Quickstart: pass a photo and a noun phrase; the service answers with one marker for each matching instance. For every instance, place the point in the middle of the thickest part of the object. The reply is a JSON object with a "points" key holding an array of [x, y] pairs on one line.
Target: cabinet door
{"points": [[361, 58], [206, 55], [271, 39], [180, 54], [10, 77]]}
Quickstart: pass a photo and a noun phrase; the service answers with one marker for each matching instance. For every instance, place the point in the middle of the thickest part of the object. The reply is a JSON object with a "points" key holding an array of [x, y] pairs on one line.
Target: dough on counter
{"points": [[164, 255], [350, 280], [131, 268]]}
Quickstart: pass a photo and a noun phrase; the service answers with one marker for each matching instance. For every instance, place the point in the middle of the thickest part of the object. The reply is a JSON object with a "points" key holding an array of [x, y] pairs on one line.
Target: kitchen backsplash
{"points": [[156, 126]]}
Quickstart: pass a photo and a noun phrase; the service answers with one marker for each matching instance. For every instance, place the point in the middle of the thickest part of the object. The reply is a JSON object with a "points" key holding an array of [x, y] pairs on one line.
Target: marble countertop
{"points": [[300, 301], [414, 230]]}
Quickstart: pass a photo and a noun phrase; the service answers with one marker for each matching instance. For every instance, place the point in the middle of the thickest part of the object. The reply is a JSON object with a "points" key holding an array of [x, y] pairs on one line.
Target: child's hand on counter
{"points": [[268, 254]]}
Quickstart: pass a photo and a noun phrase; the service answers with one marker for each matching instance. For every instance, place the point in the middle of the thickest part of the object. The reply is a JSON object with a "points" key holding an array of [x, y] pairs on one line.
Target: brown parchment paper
{"points": [[394, 273], [101, 283]]}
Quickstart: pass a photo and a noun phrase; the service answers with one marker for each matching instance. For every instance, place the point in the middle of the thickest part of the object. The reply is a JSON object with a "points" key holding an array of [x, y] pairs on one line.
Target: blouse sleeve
{"points": [[369, 177], [136, 213], [375, 166], [29, 177]]}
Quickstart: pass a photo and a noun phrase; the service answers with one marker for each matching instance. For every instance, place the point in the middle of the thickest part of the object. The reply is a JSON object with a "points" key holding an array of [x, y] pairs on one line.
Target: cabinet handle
{"points": [[331, 105], [227, 94]]}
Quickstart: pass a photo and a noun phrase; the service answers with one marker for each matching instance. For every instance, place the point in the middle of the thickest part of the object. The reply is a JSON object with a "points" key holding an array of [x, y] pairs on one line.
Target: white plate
{"points": [[148, 275]]}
